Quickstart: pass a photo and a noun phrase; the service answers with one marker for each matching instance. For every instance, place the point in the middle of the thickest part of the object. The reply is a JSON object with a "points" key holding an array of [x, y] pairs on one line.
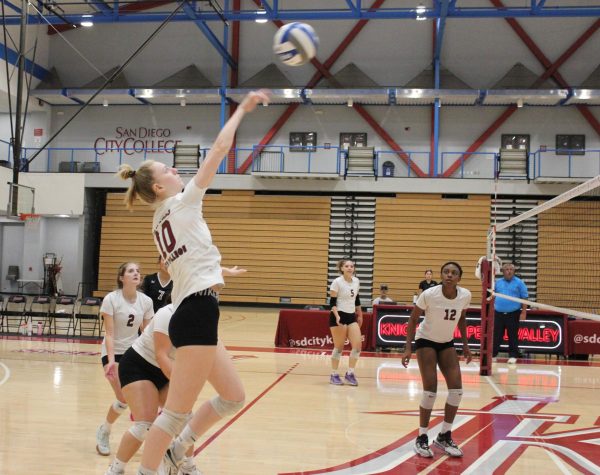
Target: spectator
{"points": [[507, 312], [383, 296], [428, 282]]}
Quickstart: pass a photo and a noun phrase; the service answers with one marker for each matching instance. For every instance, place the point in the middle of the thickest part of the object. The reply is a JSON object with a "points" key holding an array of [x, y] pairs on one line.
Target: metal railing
{"points": [[543, 163]]}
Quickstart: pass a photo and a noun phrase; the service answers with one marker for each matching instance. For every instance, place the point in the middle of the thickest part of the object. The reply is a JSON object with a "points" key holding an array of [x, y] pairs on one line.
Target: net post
{"points": [[487, 321]]}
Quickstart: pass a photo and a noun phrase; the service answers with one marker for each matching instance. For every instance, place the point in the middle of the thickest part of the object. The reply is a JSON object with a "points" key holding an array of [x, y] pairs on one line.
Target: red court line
{"points": [[372, 354], [243, 411]]}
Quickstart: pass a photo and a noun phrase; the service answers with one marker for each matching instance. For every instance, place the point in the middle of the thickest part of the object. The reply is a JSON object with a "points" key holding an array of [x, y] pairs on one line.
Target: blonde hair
{"points": [[141, 183]]}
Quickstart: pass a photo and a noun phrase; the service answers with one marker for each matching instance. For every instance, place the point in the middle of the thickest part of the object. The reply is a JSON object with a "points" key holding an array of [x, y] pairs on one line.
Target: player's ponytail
{"points": [[141, 183]]}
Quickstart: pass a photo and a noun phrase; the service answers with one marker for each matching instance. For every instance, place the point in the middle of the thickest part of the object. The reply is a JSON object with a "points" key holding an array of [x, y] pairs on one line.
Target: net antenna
{"points": [[568, 252]]}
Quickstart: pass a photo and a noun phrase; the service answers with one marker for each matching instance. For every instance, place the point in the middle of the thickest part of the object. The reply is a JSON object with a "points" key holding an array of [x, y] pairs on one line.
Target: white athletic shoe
{"points": [[102, 441], [192, 471], [444, 441], [421, 446], [112, 471], [512, 360], [171, 463]]}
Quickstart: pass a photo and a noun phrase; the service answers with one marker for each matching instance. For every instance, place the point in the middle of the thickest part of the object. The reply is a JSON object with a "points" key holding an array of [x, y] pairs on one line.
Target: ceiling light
{"points": [[350, 103], [105, 102], [182, 103], [261, 16], [147, 94], [86, 20], [519, 102], [420, 9]]}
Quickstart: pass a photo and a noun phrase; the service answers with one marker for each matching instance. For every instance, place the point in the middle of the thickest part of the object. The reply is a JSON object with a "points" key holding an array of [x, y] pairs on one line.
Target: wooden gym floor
{"points": [[539, 416]]}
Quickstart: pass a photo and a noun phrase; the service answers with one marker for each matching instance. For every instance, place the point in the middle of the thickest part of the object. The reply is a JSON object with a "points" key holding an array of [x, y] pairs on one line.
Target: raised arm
{"points": [[224, 140]]}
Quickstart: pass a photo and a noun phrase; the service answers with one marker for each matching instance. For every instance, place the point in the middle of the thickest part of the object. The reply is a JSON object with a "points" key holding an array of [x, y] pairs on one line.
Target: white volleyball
{"points": [[295, 44]]}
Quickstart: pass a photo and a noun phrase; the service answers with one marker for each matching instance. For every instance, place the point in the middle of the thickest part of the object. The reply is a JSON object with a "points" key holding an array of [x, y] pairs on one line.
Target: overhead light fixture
{"points": [[86, 20], [182, 103], [420, 11], [105, 102], [519, 102], [261, 16], [147, 94], [350, 103]]}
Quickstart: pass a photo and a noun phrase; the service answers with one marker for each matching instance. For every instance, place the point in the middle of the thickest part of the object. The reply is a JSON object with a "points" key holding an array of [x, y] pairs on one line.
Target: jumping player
{"points": [[183, 239]]}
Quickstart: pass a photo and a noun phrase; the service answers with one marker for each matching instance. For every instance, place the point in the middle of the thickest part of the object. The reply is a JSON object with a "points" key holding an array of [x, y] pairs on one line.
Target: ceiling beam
{"points": [[591, 119], [210, 36]]}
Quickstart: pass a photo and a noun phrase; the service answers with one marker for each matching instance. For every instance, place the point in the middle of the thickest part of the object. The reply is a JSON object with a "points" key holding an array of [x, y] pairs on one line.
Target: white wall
{"points": [[12, 253], [63, 237]]}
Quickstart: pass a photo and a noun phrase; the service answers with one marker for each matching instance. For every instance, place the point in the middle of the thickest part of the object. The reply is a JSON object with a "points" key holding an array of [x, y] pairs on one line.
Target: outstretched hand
{"points": [[252, 99]]}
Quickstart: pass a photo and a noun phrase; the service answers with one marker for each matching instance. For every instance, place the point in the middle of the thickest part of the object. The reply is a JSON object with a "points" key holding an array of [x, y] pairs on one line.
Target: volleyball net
{"points": [[562, 262]]}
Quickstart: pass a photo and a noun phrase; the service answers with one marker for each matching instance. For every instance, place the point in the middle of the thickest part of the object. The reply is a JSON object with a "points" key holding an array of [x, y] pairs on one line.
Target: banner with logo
{"points": [[541, 332]]}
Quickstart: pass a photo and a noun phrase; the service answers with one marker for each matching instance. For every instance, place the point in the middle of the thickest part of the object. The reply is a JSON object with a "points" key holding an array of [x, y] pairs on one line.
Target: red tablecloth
{"points": [[584, 337], [310, 329]]}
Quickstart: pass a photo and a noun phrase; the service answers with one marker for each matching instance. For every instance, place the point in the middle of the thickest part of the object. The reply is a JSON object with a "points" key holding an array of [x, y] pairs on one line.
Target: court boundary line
{"points": [[6, 373], [244, 410]]}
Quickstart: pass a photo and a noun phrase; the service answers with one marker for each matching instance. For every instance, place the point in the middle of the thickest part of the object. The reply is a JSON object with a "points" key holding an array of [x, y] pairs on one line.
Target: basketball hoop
{"points": [[32, 221]]}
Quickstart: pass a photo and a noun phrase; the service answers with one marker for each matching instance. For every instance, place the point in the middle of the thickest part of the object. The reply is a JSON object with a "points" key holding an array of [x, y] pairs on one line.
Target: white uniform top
{"points": [[441, 314], [183, 239], [144, 344], [346, 293], [127, 318]]}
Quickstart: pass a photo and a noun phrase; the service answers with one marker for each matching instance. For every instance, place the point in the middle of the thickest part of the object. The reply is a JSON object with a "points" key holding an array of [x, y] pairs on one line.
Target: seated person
{"points": [[383, 298]]}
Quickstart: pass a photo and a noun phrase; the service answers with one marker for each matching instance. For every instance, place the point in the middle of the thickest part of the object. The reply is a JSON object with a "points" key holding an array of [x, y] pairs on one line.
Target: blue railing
{"points": [[288, 159], [487, 164], [418, 158], [313, 160], [547, 163]]}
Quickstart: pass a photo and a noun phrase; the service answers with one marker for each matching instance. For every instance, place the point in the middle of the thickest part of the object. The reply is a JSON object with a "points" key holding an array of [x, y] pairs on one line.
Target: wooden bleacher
{"points": [[281, 240], [414, 232]]}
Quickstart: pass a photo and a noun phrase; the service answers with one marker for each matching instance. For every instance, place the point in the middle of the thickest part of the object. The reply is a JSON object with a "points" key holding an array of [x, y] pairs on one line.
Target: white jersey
{"points": [[346, 293], [144, 344], [441, 314], [183, 239], [127, 318]]}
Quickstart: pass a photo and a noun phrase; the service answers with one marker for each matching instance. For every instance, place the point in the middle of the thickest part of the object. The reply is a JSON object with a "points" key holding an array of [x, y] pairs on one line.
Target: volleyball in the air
{"points": [[295, 44]]}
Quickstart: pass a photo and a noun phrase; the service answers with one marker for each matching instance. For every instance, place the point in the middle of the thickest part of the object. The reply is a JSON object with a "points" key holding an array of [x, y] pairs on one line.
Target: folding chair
{"points": [[14, 308], [64, 309], [88, 312], [39, 311]]}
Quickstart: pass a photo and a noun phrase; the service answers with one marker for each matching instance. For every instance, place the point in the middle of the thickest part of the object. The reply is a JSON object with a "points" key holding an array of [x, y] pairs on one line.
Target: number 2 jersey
{"points": [[127, 318], [183, 239], [441, 314]]}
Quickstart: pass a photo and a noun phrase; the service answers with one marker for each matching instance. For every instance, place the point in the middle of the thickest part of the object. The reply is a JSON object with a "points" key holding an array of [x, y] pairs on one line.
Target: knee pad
{"points": [[225, 408], [454, 397], [428, 400], [171, 422], [336, 354], [140, 430], [119, 406], [355, 354]]}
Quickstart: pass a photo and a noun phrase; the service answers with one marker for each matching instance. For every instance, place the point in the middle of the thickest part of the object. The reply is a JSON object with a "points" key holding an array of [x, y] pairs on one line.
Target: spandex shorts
{"points": [[423, 343], [134, 367], [195, 322], [105, 359], [345, 318]]}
